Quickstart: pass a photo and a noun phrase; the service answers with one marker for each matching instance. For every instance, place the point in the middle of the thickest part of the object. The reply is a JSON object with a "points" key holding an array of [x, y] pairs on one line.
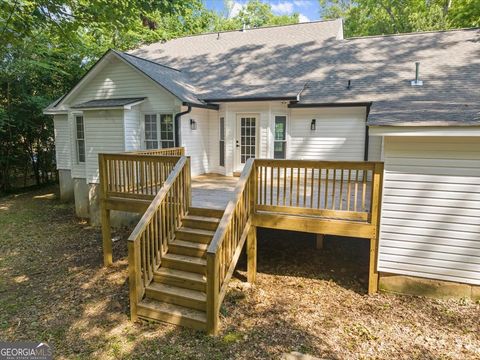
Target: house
{"points": [[303, 92]]}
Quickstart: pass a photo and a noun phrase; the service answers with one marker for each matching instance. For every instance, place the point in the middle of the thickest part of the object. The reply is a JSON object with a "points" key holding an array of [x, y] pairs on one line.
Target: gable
{"points": [[116, 79]]}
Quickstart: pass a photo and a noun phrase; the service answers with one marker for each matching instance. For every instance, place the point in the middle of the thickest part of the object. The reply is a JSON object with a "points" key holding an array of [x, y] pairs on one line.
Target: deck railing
{"points": [[227, 243], [150, 239], [134, 175], [173, 151], [338, 190]]}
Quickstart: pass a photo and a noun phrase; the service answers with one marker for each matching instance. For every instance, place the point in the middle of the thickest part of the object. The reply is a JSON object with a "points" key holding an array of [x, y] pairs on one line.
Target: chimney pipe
{"points": [[417, 81]]}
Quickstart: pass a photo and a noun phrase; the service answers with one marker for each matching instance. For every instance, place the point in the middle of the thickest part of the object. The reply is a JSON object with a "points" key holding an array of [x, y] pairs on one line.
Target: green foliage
{"points": [[372, 17]]}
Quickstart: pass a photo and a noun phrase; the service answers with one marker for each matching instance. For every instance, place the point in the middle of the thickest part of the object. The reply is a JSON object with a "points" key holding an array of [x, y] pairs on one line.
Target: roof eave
{"points": [[202, 106], [252, 98]]}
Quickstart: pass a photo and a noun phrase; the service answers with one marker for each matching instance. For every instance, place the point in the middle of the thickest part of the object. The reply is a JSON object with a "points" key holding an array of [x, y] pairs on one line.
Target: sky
{"points": [[307, 9]]}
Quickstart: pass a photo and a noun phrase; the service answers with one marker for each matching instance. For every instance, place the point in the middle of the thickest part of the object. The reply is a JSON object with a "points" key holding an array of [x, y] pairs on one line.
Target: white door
{"points": [[246, 139]]}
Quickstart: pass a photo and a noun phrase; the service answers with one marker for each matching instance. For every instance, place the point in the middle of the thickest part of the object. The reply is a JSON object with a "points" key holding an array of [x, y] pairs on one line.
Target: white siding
{"points": [[375, 148], [133, 135], [117, 80], [214, 142], [104, 133], [196, 141], [339, 134], [62, 142], [430, 224]]}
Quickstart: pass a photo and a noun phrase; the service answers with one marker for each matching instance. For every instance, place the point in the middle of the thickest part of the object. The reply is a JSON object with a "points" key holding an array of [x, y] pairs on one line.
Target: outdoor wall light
{"points": [[193, 124], [313, 124]]}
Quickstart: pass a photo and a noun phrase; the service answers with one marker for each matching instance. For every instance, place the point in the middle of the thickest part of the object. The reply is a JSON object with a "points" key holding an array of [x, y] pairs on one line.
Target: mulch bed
{"points": [[53, 288]]}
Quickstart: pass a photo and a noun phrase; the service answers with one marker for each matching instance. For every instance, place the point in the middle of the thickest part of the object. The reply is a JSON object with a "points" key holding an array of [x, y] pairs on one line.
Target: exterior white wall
{"points": [[339, 134], [214, 142], [104, 133], [119, 80], [133, 129], [430, 225], [62, 142], [196, 142], [375, 148]]}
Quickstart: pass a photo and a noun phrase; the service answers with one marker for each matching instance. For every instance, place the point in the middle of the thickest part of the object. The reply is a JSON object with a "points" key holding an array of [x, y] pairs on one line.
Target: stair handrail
{"points": [[149, 240], [227, 243]]}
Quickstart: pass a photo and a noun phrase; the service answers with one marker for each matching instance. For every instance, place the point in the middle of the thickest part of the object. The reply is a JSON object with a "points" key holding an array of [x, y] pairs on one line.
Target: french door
{"points": [[246, 139]]}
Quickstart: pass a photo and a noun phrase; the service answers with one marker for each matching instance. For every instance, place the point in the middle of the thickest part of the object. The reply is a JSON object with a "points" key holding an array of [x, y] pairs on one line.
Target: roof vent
{"points": [[417, 82]]}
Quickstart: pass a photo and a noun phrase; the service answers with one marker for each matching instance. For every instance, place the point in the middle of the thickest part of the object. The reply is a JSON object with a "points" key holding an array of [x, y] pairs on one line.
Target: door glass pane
{"points": [[279, 147], [247, 138], [166, 131], [222, 141]]}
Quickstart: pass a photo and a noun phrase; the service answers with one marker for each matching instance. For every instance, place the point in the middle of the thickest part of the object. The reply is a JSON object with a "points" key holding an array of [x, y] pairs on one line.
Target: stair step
{"points": [[182, 247], [196, 235], [180, 278], [184, 263], [200, 222], [151, 309], [216, 213], [193, 299]]}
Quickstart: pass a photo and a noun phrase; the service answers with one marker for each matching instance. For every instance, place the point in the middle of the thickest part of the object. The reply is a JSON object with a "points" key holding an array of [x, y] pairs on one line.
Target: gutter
{"points": [[202, 106], [326, 105], [177, 124], [257, 98]]}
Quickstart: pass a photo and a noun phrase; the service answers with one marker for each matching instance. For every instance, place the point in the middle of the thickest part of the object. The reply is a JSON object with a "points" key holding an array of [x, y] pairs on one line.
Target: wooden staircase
{"points": [[177, 293]]}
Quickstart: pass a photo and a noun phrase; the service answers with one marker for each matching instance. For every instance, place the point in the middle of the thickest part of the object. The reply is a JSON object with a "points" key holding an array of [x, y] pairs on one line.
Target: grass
{"points": [[53, 288]]}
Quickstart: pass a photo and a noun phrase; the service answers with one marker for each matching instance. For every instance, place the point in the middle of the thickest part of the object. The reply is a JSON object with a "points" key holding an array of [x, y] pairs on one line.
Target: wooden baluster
{"points": [[364, 188], [305, 177], [334, 188], [349, 190], [325, 205], [298, 187], [271, 185], [356, 191], [319, 191], [341, 190], [278, 186], [144, 259], [265, 187], [291, 185], [311, 188], [284, 186]]}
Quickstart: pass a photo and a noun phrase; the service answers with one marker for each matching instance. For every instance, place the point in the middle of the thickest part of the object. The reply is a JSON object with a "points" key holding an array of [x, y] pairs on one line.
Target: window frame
{"points": [[78, 140], [158, 131], [285, 135], [221, 141]]}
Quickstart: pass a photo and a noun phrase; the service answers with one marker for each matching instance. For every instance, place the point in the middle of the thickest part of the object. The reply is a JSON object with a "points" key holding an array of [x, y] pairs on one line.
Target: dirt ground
{"points": [[54, 289]]}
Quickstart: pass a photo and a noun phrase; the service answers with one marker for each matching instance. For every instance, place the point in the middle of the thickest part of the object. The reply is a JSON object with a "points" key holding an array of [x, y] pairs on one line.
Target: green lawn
{"points": [[53, 288]]}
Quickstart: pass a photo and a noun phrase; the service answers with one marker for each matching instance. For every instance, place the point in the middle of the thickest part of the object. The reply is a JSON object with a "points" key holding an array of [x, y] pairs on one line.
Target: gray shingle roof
{"points": [[107, 103], [280, 60], [171, 79]]}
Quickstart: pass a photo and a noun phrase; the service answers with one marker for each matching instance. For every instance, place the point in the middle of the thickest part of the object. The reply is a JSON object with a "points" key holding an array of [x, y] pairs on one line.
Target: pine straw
{"points": [[54, 289]]}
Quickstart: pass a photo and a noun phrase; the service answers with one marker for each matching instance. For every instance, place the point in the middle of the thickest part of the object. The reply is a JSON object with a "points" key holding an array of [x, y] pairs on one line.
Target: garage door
{"points": [[430, 224]]}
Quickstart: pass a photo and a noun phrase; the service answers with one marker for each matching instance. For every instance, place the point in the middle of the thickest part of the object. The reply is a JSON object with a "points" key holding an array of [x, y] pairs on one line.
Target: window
{"points": [[166, 131], [280, 143], [80, 134], [151, 133], [222, 141]]}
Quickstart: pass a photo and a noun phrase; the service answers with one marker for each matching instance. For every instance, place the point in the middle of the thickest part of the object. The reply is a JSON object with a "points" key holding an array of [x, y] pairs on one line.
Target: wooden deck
{"points": [[213, 191], [184, 250]]}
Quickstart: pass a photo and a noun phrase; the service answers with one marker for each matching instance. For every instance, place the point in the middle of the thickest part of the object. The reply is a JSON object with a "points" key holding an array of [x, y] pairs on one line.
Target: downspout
{"points": [[177, 124], [367, 136]]}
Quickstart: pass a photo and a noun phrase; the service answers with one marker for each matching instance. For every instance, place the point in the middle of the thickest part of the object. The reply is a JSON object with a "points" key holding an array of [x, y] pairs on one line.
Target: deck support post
{"points": [[252, 254], [375, 211], [319, 241], [372, 268], [107, 236]]}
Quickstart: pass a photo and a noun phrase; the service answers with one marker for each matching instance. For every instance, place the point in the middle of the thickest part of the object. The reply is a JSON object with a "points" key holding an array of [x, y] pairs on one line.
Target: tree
{"points": [[372, 17]]}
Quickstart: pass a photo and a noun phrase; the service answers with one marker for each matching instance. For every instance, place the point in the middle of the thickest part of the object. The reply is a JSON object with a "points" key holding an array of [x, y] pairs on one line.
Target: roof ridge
{"points": [[248, 29], [144, 59], [411, 33]]}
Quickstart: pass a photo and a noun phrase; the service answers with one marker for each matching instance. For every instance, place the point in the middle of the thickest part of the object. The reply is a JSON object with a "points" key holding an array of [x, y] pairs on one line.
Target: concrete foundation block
{"points": [[80, 188], [410, 285], [66, 185]]}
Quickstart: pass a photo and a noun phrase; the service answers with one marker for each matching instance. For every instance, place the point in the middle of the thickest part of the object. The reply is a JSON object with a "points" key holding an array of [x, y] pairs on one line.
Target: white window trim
{"points": [[224, 140], [159, 139], [77, 152], [287, 133]]}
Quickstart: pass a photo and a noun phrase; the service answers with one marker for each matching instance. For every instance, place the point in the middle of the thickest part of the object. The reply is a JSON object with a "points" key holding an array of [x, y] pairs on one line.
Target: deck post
{"points": [[213, 288], [133, 278], [320, 241], [252, 254], [106, 236], [105, 213], [375, 221]]}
